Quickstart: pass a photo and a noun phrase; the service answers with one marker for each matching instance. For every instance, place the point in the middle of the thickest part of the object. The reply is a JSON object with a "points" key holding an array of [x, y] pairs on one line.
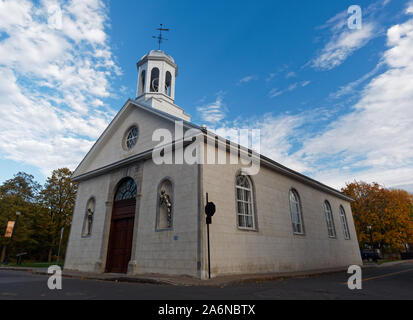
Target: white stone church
{"points": [[136, 216]]}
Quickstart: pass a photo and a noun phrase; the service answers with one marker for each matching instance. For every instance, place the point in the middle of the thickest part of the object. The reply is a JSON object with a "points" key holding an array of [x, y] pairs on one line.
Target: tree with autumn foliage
{"points": [[389, 212]]}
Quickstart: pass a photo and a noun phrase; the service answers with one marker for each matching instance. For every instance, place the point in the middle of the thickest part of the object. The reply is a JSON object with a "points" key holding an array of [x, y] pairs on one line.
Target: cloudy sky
{"points": [[331, 102]]}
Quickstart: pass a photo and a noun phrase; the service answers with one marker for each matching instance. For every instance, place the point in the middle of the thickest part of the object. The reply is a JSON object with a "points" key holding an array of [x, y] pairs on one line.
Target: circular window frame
{"points": [[125, 138]]}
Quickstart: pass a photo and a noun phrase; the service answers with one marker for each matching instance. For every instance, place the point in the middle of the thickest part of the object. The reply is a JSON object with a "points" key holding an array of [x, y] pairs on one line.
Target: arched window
{"points": [[168, 83], [296, 214], [245, 204], [165, 205], [343, 219], [143, 78], [155, 80], [88, 219], [126, 190], [329, 219]]}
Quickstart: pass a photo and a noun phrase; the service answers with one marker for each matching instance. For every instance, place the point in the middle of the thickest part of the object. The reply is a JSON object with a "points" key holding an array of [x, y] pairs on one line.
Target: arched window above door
{"points": [[126, 190]]}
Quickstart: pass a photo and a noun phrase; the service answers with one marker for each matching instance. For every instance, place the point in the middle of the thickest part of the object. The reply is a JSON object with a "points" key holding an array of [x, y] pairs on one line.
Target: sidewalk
{"points": [[220, 281]]}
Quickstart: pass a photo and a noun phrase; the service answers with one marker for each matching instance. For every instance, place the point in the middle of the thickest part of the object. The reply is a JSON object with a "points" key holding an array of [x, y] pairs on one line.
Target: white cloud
{"points": [[290, 75], [53, 81], [276, 136], [213, 112], [247, 79], [375, 141], [409, 9], [343, 44], [351, 87], [270, 76], [372, 142], [275, 92]]}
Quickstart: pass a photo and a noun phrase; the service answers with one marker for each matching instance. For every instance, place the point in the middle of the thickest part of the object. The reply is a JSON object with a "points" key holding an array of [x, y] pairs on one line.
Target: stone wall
{"points": [[273, 247], [173, 251]]}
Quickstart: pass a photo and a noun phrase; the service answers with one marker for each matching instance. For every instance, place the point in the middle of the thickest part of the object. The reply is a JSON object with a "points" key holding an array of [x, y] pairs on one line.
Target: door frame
{"points": [[110, 214], [115, 218]]}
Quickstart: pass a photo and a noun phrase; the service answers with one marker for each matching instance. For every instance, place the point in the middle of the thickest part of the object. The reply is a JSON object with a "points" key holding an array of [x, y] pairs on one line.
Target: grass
{"points": [[36, 264], [387, 260]]}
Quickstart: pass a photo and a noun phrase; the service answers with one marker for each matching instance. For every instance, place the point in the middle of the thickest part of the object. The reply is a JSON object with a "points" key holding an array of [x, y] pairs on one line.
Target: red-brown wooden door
{"points": [[121, 236]]}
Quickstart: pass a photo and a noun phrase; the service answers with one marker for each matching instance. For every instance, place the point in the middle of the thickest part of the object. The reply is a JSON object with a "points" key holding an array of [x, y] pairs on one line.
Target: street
{"points": [[389, 282]]}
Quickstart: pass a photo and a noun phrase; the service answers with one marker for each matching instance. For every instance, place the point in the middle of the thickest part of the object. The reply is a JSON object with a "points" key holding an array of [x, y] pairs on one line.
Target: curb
{"points": [[91, 277]]}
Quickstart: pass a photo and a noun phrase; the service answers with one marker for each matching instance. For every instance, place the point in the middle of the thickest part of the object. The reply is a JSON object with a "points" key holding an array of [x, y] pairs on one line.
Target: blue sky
{"points": [[330, 102]]}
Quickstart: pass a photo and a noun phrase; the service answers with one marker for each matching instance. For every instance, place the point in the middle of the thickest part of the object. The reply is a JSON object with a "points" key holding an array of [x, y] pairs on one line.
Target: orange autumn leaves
{"points": [[389, 212]]}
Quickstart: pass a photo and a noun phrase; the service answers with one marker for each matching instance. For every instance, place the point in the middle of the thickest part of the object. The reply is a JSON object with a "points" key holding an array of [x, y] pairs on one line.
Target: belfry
{"points": [[156, 83]]}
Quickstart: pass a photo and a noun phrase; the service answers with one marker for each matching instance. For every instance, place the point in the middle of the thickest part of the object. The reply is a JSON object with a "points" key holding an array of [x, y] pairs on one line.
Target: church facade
{"points": [[140, 208]]}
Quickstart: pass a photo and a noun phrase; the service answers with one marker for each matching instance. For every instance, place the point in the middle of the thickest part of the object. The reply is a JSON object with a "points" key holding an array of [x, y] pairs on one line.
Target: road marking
{"points": [[387, 275], [384, 275]]}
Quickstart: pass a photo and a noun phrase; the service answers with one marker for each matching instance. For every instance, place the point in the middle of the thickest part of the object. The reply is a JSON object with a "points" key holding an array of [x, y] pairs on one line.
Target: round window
{"points": [[131, 138]]}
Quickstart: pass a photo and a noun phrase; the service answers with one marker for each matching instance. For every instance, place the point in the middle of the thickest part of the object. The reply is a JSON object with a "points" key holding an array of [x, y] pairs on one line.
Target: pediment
{"points": [[110, 147]]}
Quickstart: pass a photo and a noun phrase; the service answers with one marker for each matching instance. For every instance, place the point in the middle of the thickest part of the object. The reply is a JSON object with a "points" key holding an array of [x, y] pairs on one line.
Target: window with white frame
{"points": [[343, 219], [245, 204], [329, 219], [296, 214]]}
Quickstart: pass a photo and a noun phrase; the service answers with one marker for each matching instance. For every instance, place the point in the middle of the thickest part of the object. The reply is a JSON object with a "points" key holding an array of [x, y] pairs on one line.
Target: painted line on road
{"points": [[387, 275], [384, 275]]}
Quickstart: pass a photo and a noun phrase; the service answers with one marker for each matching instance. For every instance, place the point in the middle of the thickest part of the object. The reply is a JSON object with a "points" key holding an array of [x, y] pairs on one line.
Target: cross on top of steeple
{"points": [[159, 37]]}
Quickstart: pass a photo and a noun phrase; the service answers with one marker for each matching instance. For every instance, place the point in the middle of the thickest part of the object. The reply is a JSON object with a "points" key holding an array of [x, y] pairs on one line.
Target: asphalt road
{"points": [[390, 282]]}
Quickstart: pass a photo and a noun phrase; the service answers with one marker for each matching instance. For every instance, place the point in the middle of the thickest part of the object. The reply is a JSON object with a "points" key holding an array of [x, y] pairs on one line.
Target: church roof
{"points": [[158, 54], [264, 160]]}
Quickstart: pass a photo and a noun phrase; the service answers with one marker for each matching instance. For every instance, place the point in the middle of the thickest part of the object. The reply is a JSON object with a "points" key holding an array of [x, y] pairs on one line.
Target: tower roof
{"points": [[157, 55]]}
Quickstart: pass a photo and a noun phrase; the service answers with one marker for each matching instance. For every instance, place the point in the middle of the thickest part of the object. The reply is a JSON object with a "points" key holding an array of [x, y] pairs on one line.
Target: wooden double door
{"points": [[121, 236]]}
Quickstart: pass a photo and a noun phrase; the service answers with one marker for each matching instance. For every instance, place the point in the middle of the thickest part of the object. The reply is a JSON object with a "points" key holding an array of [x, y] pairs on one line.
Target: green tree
{"points": [[58, 197], [21, 193]]}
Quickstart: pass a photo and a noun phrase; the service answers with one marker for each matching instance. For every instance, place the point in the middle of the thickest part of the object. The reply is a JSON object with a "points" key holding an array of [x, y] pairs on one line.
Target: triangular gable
{"points": [[109, 148]]}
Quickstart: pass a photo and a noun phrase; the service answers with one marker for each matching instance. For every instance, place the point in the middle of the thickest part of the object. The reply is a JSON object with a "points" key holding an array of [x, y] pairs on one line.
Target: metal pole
{"points": [[209, 255], [6, 262]]}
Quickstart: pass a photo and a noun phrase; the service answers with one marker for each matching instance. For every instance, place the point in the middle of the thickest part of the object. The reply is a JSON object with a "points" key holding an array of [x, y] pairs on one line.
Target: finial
{"points": [[160, 38]]}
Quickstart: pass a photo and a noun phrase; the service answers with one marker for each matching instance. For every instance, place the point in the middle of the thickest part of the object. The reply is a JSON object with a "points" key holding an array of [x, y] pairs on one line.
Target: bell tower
{"points": [[157, 72]]}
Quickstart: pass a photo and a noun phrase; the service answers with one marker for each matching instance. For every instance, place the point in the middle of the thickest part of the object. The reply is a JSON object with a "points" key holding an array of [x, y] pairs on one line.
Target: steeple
{"points": [[156, 83]]}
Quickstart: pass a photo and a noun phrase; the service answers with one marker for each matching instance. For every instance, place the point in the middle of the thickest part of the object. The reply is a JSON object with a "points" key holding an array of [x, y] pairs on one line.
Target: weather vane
{"points": [[160, 38]]}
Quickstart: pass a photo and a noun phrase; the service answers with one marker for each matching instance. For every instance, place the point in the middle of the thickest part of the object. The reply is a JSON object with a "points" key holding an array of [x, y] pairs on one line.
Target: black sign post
{"points": [[209, 211]]}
